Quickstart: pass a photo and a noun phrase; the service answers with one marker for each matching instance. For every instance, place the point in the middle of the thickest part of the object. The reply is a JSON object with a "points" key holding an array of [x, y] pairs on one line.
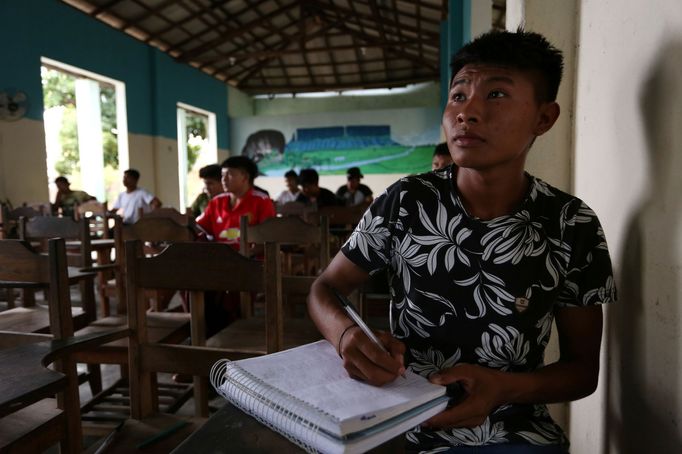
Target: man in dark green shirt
{"points": [[212, 187], [66, 199]]}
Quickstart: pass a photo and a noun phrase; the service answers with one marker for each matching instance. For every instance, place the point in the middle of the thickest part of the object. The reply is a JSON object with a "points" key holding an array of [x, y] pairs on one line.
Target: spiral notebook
{"points": [[306, 395]]}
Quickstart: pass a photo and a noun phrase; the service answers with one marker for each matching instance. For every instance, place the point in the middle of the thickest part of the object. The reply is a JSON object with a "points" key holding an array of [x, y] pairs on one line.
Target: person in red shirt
{"points": [[221, 217]]}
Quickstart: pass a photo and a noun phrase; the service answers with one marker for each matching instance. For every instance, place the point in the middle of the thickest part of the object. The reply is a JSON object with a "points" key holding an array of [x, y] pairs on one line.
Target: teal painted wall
{"points": [[154, 82], [454, 33]]}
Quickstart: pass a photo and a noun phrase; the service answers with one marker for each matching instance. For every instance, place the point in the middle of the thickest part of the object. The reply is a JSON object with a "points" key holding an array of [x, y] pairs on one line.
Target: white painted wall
{"points": [[550, 157], [23, 167], [628, 167]]}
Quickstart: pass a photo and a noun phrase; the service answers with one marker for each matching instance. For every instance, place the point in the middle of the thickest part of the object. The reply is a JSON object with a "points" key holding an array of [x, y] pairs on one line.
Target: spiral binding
{"points": [[291, 417]]}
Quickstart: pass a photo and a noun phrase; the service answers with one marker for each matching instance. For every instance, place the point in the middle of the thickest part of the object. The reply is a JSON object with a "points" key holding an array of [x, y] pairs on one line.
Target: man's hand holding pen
{"points": [[366, 361]]}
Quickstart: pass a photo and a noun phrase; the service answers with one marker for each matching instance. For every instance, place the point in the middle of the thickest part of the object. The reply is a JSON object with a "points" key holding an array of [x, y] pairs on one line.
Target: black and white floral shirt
{"points": [[465, 290]]}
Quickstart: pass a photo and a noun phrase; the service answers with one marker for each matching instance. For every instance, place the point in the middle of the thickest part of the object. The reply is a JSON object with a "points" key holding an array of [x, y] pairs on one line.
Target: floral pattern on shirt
{"points": [[464, 290]]}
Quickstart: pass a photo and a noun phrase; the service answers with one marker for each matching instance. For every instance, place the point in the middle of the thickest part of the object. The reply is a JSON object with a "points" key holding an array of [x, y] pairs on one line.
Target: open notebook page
{"points": [[314, 374]]}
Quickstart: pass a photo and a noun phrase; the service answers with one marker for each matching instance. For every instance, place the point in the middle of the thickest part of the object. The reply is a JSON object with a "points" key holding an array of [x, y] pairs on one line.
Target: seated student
{"points": [[129, 202], [482, 258], [211, 175], [222, 215], [353, 192], [441, 157], [312, 193], [292, 191], [67, 199]]}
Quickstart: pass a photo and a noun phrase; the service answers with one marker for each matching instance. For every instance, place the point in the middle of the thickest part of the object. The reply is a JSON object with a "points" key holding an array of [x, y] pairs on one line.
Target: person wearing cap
{"points": [[312, 193], [66, 198], [222, 215], [353, 192]]}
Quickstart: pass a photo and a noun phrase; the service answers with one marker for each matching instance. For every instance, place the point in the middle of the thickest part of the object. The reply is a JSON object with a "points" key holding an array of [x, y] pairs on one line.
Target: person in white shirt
{"points": [[129, 202], [292, 191]]}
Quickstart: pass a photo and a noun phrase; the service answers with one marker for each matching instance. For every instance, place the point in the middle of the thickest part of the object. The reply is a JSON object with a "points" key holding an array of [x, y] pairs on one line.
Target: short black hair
{"points": [[441, 149], [291, 174], [211, 172], [308, 176], [61, 179], [132, 173], [522, 50], [243, 163]]}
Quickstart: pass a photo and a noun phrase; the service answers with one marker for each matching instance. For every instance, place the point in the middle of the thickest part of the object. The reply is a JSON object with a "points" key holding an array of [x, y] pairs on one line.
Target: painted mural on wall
{"points": [[333, 149]]}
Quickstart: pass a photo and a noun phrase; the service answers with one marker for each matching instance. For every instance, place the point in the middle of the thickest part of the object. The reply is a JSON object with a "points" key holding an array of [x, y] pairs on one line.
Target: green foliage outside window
{"points": [[196, 128], [59, 89]]}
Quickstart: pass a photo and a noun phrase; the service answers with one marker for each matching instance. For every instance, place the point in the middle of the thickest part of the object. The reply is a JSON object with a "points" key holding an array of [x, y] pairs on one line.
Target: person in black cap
{"points": [[353, 192]]}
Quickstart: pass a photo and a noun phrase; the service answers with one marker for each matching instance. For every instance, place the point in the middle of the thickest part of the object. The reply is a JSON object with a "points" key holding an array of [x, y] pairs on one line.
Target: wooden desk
{"points": [[36, 319], [230, 430]]}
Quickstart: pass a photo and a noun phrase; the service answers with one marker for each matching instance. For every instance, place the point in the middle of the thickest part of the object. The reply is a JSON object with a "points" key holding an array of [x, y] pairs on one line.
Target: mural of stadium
{"points": [[375, 148], [331, 150]]}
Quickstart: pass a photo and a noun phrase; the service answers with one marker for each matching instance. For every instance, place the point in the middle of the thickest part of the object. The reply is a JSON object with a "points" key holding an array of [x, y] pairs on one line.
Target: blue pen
{"points": [[358, 320]]}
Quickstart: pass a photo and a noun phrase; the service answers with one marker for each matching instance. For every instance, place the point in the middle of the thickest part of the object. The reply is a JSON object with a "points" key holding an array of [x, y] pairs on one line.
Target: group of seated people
{"points": [[128, 204], [310, 193], [229, 193]]}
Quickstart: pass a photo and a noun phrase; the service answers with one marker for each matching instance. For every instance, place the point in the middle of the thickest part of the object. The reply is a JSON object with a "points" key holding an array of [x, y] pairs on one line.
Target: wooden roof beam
{"points": [[198, 50], [269, 89], [398, 26], [399, 52]]}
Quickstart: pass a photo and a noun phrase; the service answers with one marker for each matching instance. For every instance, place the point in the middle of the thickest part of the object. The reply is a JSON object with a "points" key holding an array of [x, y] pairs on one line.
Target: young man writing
{"points": [[482, 258]]}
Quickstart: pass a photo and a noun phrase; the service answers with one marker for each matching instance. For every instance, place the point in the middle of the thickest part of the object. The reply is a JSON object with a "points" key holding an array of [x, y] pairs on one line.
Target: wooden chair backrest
{"points": [[295, 209], [170, 213], [19, 263], [97, 215], [9, 219], [195, 267], [91, 208], [156, 229], [286, 230], [344, 215], [42, 228], [27, 212]]}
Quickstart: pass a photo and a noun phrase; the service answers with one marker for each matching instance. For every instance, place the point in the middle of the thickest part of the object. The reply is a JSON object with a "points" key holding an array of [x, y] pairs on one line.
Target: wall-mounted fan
{"points": [[13, 106]]}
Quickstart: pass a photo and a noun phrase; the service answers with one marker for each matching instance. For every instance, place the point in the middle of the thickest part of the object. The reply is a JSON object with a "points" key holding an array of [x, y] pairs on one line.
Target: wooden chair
{"points": [[205, 267], [290, 230], [79, 252], [296, 209], [18, 262], [9, 218], [30, 419], [169, 213], [298, 239], [167, 327], [195, 267], [342, 221], [97, 215], [155, 232]]}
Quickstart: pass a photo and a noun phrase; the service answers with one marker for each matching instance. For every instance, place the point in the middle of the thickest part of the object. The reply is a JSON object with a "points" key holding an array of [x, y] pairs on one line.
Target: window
{"points": [[197, 147], [85, 129]]}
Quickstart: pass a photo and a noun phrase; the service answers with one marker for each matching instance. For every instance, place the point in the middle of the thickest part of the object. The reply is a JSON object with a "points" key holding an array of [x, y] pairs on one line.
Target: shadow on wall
{"points": [[644, 401]]}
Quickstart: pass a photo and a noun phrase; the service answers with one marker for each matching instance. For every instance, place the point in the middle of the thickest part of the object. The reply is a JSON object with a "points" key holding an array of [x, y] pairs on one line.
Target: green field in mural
{"points": [[387, 159]]}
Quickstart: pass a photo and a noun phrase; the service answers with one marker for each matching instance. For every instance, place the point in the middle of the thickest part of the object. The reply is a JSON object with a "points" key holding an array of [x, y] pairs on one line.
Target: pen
{"points": [[358, 321]]}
